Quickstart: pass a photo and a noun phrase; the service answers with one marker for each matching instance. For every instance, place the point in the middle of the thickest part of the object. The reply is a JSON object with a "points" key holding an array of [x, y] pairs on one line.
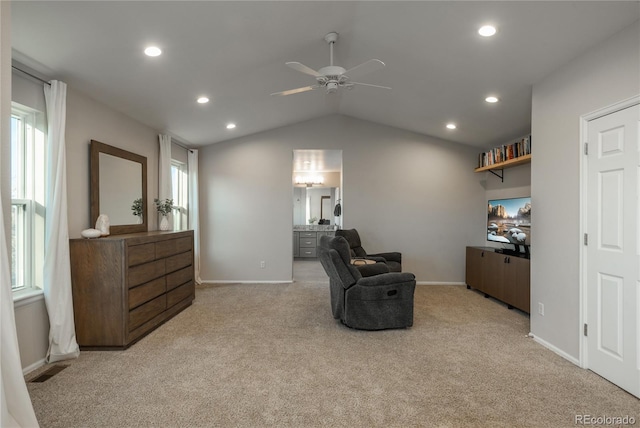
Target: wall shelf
{"points": [[506, 164], [503, 165]]}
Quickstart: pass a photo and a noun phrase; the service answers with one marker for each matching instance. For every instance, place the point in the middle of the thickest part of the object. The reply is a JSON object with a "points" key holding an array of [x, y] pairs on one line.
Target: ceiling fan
{"points": [[332, 76]]}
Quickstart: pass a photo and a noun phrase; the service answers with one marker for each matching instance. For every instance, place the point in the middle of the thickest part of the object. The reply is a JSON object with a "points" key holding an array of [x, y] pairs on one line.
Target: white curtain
{"points": [[164, 171], [57, 262], [164, 168], [194, 209], [17, 410]]}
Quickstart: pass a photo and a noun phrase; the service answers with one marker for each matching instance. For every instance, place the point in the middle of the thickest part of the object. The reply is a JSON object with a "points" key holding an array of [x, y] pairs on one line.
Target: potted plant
{"points": [[164, 207], [137, 209]]}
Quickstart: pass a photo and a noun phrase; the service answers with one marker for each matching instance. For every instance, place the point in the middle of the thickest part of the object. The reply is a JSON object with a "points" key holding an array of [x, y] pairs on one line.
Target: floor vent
{"points": [[49, 373]]}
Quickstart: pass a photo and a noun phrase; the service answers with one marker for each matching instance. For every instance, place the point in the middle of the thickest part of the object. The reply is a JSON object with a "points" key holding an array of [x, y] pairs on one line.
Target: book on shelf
{"points": [[505, 152]]}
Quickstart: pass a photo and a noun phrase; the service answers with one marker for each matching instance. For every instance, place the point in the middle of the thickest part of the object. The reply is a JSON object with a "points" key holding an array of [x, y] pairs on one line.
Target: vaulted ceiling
{"points": [[438, 66]]}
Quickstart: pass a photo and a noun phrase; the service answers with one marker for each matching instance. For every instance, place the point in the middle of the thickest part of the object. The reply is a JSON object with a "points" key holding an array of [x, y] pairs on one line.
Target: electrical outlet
{"points": [[263, 264], [541, 308]]}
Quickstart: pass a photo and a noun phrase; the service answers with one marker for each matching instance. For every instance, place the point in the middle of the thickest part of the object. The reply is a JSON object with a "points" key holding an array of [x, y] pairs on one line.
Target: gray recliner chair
{"points": [[367, 303], [392, 259]]}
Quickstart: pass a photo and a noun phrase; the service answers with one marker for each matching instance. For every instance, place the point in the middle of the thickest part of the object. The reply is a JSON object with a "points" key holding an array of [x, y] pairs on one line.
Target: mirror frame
{"points": [[94, 164]]}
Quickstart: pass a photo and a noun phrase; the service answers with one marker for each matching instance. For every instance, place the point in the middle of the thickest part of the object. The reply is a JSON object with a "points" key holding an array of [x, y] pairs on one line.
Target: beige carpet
{"points": [[258, 355]]}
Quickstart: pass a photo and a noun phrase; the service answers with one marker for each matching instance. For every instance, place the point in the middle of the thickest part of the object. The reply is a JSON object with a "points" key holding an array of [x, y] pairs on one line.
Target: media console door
{"points": [[504, 277]]}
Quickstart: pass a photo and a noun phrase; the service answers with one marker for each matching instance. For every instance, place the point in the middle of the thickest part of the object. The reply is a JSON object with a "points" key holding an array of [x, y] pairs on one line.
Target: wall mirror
{"points": [[118, 182], [316, 200]]}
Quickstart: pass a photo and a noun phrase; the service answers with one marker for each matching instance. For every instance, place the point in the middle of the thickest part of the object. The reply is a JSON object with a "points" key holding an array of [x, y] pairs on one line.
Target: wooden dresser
{"points": [[125, 286]]}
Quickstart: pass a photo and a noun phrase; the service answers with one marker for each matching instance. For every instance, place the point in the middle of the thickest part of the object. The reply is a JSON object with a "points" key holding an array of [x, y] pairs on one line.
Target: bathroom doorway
{"points": [[318, 205]]}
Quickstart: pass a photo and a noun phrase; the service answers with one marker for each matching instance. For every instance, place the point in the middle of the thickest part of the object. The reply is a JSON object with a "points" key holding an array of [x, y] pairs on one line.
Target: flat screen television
{"points": [[509, 222]]}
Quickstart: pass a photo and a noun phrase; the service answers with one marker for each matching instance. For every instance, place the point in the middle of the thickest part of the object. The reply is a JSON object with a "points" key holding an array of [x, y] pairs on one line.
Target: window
{"points": [[179, 189], [27, 198]]}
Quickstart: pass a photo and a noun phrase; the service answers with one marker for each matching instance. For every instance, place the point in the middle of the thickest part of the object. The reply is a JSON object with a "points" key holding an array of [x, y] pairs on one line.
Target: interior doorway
{"points": [[611, 254], [317, 200]]}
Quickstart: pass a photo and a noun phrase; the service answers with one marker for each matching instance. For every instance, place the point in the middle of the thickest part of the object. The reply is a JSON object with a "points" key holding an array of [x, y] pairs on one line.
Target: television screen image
{"points": [[509, 221]]}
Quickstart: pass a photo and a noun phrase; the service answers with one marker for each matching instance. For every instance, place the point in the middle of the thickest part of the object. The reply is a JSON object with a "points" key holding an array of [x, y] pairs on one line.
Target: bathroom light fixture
{"points": [[309, 180], [451, 126], [231, 125], [203, 100], [152, 51], [491, 99], [487, 30]]}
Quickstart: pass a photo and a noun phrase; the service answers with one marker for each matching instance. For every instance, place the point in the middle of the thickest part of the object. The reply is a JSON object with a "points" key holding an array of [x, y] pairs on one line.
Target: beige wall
{"points": [[87, 120], [402, 191], [606, 74]]}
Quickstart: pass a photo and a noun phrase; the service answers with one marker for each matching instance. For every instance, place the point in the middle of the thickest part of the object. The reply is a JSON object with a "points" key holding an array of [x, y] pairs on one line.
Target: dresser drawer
{"points": [[145, 292], [179, 294], [144, 313], [308, 235], [308, 243], [146, 272], [172, 246], [139, 254], [179, 277], [179, 261], [308, 252]]}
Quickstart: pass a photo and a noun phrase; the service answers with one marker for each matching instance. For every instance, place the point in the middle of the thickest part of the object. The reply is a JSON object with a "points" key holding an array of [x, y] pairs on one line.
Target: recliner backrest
{"points": [[353, 238], [336, 260]]}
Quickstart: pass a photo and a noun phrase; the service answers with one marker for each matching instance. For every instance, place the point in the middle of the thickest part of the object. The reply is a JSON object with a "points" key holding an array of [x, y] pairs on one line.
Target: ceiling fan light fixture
{"points": [[333, 77]]}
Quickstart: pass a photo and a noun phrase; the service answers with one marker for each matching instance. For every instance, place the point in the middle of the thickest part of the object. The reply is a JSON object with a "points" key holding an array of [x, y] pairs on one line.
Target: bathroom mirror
{"points": [[118, 182]]}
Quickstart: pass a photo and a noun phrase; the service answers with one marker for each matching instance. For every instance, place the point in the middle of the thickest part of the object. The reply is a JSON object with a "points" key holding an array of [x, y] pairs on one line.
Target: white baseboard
{"points": [[288, 281], [33, 367], [219, 282], [439, 283], [553, 348]]}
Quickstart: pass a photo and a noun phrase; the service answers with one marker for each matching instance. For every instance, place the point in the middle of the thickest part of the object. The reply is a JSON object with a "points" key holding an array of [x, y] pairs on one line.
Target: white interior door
{"points": [[612, 254]]}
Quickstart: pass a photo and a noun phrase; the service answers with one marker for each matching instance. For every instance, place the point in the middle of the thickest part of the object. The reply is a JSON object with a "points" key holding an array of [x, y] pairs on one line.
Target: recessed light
{"points": [[491, 99], [451, 126], [231, 125], [487, 30], [152, 51], [203, 100]]}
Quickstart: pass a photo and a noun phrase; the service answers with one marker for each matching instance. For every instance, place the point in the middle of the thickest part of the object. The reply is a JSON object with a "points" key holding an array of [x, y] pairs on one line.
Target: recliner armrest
{"points": [[374, 258], [387, 279], [393, 256], [374, 269]]}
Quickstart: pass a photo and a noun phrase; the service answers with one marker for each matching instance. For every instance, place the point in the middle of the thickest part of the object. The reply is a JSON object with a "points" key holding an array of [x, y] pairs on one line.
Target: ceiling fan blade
{"points": [[297, 90], [303, 69], [364, 68], [368, 84]]}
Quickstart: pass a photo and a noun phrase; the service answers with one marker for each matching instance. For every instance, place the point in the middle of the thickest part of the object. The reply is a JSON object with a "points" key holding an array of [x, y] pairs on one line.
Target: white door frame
{"points": [[584, 128]]}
